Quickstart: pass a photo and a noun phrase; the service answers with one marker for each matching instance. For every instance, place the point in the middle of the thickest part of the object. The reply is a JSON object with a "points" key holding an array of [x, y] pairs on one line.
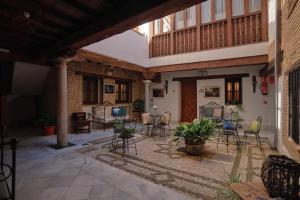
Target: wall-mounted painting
{"points": [[158, 92], [109, 89], [212, 92]]}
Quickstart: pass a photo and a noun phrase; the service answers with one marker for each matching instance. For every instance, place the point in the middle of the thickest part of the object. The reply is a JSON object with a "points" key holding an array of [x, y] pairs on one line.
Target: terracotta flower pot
{"points": [[49, 130], [194, 149]]}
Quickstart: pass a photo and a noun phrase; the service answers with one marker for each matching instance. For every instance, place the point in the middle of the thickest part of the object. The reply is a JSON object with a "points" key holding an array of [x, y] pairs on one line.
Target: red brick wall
{"points": [[290, 44]]}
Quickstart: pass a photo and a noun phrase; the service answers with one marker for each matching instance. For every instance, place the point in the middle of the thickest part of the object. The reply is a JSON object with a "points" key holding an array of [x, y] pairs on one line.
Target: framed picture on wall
{"points": [[158, 92], [212, 92], [109, 89]]}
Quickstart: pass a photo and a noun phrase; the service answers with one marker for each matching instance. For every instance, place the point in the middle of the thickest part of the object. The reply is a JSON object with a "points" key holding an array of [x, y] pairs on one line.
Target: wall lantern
{"points": [[166, 86], [254, 83]]}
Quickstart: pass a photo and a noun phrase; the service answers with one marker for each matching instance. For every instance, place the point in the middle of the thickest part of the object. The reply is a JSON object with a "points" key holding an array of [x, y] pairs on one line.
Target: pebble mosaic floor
{"points": [[163, 162]]}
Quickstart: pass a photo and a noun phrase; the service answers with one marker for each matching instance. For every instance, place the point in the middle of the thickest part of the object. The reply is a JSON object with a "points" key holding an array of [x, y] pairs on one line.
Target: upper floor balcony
{"points": [[210, 25]]}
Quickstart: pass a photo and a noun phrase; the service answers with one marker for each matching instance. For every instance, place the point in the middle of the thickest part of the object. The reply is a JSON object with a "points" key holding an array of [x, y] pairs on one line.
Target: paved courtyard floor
{"points": [[44, 173]]}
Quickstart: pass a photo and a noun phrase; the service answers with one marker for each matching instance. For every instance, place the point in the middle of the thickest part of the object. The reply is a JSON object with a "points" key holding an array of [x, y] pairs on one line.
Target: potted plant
{"points": [[195, 135], [48, 124], [139, 105]]}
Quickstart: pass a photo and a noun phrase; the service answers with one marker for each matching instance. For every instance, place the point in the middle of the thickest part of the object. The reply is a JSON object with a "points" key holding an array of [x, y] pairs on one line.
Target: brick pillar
{"points": [[147, 95], [62, 102]]}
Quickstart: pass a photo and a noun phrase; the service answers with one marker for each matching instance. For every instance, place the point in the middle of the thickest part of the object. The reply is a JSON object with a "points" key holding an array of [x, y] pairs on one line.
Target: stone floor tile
{"points": [[53, 193], [61, 182], [78, 193]]}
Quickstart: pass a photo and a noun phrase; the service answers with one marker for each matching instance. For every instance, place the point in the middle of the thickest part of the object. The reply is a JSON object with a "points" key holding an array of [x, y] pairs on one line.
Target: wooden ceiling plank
{"points": [[58, 14], [109, 61], [120, 20], [81, 7]]}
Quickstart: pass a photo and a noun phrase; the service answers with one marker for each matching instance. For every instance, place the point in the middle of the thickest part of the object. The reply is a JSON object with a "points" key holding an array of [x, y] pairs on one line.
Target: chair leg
{"points": [[218, 139], [258, 137], [135, 146], [245, 140]]}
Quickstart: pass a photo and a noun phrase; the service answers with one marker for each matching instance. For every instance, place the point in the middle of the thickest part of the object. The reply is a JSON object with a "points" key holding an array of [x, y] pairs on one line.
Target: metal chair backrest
{"points": [[233, 122], [259, 119], [118, 125], [163, 120], [209, 109]]}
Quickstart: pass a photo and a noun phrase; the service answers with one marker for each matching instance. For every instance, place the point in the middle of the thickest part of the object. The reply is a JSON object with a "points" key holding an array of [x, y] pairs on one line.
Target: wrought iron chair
{"points": [[162, 123], [212, 110], [126, 135], [147, 122], [254, 132], [229, 128]]}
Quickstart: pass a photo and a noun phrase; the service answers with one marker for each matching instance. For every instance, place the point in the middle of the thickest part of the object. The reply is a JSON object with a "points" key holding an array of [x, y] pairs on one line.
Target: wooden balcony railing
{"points": [[213, 35], [247, 29], [240, 30], [161, 45], [185, 40]]}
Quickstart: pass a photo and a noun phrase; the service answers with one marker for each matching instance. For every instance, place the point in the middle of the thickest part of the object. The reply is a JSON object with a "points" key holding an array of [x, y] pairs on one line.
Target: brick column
{"points": [[62, 102], [147, 95]]}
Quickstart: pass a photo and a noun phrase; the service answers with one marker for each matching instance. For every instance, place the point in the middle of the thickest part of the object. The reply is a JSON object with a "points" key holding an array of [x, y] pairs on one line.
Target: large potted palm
{"points": [[195, 134]]}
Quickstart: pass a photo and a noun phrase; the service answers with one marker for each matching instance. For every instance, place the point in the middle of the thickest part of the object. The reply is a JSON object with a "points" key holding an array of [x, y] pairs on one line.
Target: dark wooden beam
{"points": [[15, 11], [109, 61], [126, 16], [103, 76], [220, 76], [232, 62], [80, 7], [40, 5]]}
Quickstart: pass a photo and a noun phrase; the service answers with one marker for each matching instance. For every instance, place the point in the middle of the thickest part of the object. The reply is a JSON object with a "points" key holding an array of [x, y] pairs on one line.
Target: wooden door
{"points": [[188, 100]]}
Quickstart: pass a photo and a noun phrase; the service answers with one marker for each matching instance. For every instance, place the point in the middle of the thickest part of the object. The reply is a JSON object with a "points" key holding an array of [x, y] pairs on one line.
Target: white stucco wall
{"points": [[254, 104], [129, 46]]}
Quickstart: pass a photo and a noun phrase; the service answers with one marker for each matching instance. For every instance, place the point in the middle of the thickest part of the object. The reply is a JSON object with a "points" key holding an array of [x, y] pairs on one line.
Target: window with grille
{"points": [[123, 92], [294, 109], [90, 90], [233, 90]]}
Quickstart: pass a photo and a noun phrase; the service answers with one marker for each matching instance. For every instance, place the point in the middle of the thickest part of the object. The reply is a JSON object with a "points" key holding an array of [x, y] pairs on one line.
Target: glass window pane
{"points": [[156, 26], [206, 11], [179, 23], [254, 5], [237, 7], [166, 24], [191, 16], [220, 9]]}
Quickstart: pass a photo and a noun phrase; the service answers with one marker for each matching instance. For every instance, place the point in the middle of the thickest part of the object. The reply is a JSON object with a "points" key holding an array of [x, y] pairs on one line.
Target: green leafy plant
{"points": [[44, 122], [225, 192], [139, 105], [196, 132]]}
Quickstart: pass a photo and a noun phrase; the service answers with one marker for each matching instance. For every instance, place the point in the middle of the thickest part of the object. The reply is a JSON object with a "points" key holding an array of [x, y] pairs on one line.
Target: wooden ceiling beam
{"points": [[80, 7], [232, 62], [12, 30], [11, 13], [108, 61], [124, 17], [57, 14]]}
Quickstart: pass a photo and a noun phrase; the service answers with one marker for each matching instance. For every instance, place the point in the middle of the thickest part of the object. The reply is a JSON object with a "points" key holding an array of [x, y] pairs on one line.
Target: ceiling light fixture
{"points": [[26, 14]]}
